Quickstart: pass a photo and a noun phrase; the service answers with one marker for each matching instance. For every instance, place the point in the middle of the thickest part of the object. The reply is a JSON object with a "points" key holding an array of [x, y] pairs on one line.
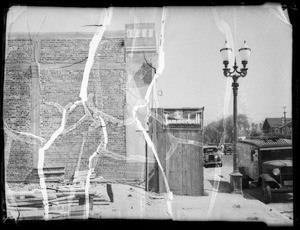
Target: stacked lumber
{"points": [[53, 173], [29, 198], [73, 195], [28, 205], [63, 202], [82, 175]]}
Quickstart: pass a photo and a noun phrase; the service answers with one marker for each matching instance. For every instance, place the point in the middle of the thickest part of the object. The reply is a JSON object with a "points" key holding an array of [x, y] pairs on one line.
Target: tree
{"points": [[255, 130], [222, 130], [212, 132]]}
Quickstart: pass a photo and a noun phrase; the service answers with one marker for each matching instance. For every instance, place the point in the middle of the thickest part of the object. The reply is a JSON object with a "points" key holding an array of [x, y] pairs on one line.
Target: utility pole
{"points": [[284, 115], [284, 119]]}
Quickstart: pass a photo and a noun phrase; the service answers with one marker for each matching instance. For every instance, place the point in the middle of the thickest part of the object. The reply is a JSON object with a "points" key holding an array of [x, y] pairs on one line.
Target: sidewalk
{"points": [[221, 205], [132, 203]]}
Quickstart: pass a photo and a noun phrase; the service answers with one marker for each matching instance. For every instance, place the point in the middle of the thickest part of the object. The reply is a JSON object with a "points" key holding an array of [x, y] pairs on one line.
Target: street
{"points": [[283, 202]]}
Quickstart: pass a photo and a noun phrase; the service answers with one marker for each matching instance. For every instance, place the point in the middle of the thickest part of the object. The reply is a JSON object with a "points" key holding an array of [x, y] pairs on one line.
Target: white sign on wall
{"points": [[185, 117]]}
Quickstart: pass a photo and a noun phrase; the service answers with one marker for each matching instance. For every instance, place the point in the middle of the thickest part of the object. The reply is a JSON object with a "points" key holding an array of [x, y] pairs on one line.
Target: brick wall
{"points": [[19, 51], [16, 114], [60, 82]]}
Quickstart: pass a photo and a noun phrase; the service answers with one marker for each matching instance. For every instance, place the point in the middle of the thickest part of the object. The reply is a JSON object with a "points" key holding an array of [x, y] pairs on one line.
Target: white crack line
{"points": [[75, 105], [84, 95], [215, 189], [171, 150], [80, 154], [92, 51], [225, 29], [139, 124], [58, 132], [100, 148], [74, 126], [8, 143], [71, 108], [279, 14], [23, 136], [135, 158], [41, 162], [98, 113], [176, 140], [56, 105]]}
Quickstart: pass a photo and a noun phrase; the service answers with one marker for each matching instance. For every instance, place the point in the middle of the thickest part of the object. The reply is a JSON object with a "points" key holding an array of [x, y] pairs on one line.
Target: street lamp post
{"points": [[226, 51]]}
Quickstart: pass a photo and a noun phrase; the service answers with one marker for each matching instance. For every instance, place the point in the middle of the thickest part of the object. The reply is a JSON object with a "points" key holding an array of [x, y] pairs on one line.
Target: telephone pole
{"points": [[284, 119], [284, 114]]}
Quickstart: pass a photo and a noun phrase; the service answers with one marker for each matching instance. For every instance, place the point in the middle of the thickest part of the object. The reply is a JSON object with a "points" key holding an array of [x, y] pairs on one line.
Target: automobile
{"points": [[228, 148], [267, 163], [212, 156]]}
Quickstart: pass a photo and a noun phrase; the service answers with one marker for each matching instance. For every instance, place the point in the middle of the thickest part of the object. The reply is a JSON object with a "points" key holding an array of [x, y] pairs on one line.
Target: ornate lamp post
{"points": [[226, 52]]}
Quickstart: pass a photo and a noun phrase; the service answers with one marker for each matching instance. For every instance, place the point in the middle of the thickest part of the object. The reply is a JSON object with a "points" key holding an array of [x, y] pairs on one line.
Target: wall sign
{"points": [[183, 117]]}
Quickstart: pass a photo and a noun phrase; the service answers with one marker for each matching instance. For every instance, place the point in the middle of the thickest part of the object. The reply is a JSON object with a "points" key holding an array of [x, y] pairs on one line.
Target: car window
{"points": [[210, 150]]}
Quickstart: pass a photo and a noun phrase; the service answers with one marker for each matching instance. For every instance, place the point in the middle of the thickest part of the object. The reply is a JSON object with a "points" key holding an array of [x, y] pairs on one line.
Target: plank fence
{"points": [[180, 153]]}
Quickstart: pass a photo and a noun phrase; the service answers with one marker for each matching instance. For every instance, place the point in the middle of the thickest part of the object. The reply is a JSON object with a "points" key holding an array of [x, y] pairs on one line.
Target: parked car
{"points": [[228, 148], [212, 156], [268, 164]]}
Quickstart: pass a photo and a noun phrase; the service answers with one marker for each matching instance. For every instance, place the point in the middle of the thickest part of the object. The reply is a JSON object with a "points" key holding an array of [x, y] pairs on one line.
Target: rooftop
{"points": [[268, 142], [274, 122]]}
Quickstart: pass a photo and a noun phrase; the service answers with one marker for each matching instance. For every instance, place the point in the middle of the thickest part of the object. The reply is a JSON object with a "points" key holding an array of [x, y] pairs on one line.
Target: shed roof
{"points": [[268, 142]]}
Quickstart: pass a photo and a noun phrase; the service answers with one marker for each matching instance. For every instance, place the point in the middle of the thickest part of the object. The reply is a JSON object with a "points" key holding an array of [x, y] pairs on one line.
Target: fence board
{"points": [[184, 169]]}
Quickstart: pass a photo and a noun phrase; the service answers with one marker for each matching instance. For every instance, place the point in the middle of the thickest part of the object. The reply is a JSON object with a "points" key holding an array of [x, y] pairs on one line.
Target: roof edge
{"points": [[72, 35]]}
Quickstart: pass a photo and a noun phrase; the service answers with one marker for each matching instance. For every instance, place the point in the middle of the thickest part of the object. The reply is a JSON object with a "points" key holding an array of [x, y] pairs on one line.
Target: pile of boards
{"points": [[63, 202], [82, 175], [51, 173]]}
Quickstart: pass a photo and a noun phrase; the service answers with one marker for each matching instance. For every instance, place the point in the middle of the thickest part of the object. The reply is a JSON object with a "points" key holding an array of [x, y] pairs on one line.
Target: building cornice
{"points": [[64, 35]]}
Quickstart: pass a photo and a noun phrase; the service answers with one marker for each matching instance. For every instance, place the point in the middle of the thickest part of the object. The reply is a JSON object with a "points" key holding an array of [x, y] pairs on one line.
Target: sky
{"points": [[193, 36]]}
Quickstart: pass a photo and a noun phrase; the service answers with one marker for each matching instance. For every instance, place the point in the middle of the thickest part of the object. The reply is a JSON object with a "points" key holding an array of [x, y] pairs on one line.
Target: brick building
{"points": [[43, 74]]}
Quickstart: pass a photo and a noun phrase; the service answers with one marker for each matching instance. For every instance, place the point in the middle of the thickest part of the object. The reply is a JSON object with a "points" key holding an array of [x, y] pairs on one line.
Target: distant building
{"points": [[278, 126], [286, 128]]}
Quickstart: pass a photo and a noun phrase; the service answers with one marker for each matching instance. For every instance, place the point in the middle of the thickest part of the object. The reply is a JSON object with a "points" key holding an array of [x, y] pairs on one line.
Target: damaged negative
{"points": [[89, 133]]}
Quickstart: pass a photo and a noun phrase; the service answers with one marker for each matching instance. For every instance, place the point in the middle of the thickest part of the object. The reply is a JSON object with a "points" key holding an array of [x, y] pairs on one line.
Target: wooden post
{"points": [[146, 166], [161, 151], [155, 141]]}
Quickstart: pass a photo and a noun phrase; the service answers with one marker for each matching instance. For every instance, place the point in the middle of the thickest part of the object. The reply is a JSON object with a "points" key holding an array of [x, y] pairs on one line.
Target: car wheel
{"points": [[266, 190]]}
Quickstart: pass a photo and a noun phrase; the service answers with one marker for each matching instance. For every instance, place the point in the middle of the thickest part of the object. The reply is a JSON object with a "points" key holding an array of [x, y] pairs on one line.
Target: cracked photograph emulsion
{"points": [[107, 111]]}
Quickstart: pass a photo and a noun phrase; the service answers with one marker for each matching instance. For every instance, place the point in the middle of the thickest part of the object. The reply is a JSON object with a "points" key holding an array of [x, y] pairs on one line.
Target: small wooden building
{"points": [[178, 138]]}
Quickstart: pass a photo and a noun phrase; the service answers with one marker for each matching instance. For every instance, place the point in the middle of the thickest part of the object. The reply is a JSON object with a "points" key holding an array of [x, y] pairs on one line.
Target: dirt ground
{"points": [[131, 202]]}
